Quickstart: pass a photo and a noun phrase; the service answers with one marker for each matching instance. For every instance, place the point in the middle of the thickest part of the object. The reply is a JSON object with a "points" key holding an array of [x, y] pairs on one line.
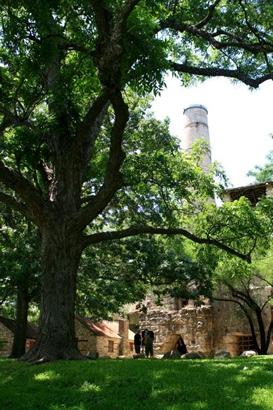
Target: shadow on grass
{"points": [[143, 384]]}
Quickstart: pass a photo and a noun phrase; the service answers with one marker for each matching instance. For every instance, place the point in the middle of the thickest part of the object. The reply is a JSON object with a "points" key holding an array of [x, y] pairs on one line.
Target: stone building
{"points": [[104, 339], [207, 329], [7, 329], [101, 339], [212, 326]]}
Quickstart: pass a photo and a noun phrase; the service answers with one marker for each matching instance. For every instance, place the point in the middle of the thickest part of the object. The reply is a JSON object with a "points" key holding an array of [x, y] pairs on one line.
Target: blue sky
{"points": [[240, 121]]}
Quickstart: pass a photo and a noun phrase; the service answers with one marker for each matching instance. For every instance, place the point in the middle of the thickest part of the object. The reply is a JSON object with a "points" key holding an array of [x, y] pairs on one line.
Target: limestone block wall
{"points": [[228, 319], [6, 339], [194, 324], [87, 343], [230, 323], [91, 343], [103, 344]]}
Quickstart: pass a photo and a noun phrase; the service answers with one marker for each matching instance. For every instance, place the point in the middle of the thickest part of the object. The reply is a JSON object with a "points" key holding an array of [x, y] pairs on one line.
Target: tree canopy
{"points": [[67, 156]]}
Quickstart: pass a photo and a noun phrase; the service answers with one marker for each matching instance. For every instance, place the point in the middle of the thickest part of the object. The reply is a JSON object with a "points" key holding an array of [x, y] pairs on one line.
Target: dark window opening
{"points": [[245, 343], [252, 193], [110, 346]]}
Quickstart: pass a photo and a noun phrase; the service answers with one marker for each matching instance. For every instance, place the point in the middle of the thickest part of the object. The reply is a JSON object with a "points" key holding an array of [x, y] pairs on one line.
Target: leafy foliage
{"points": [[263, 173], [20, 260]]}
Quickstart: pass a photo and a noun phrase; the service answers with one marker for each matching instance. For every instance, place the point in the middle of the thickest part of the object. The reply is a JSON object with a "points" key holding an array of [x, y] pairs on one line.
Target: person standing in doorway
{"points": [[137, 342], [149, 344], [180, 346], [144, 334]]}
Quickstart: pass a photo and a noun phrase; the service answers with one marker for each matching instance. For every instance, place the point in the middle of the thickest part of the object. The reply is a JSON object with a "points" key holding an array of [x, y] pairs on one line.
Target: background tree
{"points": [[65, 66], [20, 272], [263, 173], [117, 273], [248, 286]]}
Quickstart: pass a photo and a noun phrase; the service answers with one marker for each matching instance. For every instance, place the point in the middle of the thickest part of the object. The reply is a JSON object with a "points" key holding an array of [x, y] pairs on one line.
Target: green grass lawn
{"points": [[138, 384]]}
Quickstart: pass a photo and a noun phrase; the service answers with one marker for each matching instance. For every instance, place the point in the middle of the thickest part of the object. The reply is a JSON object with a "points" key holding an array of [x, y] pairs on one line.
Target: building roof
{"points": [[104, 328], [253, 192], [32, 330], [114, 325], [98, 328]]}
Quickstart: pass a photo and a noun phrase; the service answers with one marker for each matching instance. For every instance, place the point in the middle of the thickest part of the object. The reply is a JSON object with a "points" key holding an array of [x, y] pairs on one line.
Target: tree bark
{"points": [[60, 258], [22, 304], [263, 341]]}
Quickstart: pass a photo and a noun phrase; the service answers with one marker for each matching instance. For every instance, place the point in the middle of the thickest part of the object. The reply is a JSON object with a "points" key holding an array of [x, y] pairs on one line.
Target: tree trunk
{"points": [[60, 261], [22, 303], [263, 341]]}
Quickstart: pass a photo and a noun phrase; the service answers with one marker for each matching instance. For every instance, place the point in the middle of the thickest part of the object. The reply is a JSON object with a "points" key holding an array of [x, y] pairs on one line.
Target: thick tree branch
{"points": [[249, 318], [102, 17], [88, 131], [139, 230], [269, 331], [124, 14], [221, 72], [113, 178], [255, 32], [25, 190], [242, 296], [209, 15], [234, 42], [14, 204]]}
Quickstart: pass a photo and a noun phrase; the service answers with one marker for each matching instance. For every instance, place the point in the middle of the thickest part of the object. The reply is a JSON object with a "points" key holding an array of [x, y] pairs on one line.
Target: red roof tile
{"points": [[99, 328]]}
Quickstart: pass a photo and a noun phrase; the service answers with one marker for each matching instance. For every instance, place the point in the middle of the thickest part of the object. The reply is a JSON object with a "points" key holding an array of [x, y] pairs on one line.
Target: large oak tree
{"points": [[66, 69]]}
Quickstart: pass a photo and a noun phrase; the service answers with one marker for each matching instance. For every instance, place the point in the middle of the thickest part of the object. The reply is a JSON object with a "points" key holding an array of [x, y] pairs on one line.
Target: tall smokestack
{"points": [[196, 127]]}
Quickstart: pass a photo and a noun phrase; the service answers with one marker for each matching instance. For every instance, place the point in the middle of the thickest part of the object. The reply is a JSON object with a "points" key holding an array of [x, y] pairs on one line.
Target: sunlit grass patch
{"points": [[47, 375], [90, 387], [138, 384]]}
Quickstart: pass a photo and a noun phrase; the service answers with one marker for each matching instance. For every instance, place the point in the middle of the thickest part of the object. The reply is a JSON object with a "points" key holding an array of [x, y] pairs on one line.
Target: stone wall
{"points": [[89, 343], [194, 324], [208, 328], [109, 347], [228, 319], [230, 323], [6, 339]]}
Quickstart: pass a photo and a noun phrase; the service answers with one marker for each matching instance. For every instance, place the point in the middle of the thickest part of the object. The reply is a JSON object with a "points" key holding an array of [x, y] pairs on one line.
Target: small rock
{"points": [[222, 354], [192, 355], [249, 353]]}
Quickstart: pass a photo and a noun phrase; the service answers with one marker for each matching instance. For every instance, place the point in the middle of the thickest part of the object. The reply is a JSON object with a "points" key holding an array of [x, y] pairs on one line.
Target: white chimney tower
{"points": [[196, 127]]}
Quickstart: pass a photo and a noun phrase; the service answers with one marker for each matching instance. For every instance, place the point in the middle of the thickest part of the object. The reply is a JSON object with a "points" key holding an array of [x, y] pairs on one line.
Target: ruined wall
{"points": [[194, 324], [228, 319], [230, 323], [6, 340], [208, 328]]}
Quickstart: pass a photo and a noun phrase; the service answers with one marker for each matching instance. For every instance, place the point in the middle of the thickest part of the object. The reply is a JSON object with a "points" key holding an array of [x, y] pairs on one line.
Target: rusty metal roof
{"points": [[98, 328]]}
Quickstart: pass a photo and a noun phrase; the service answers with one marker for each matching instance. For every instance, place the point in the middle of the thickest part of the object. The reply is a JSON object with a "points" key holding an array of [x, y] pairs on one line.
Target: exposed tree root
{"points": [[39, 355]]}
